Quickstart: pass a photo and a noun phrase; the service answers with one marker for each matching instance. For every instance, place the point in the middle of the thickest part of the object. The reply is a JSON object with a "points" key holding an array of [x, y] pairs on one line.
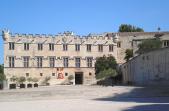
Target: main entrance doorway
{"points": [[78, 78]]}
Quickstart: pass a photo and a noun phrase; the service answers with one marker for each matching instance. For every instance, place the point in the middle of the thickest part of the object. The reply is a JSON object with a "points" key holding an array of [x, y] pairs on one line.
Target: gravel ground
{"points": [[85, 98]]}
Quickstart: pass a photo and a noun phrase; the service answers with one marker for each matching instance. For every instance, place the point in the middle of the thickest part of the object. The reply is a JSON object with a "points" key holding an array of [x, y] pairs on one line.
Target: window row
{"points": [[65, 47], [39, 60], [41, 74], [53, 74]]}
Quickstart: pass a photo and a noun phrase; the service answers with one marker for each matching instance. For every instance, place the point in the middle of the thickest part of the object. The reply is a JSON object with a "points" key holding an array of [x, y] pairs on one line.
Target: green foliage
{"points": [[29, 79], [71, 77], [14, 79], [103, 66], [35, 79], [2, 76], [106, 73], [149, 45], [21, 79], [129, 28], [129, 54]]}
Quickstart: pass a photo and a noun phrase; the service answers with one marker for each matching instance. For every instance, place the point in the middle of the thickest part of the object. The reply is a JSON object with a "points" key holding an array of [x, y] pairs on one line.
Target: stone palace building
{"points": [[55, 56], [62, 55]]}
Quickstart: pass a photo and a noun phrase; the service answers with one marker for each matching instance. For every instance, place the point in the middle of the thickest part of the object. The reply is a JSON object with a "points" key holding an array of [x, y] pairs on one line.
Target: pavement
{"points": [[86, 98]]}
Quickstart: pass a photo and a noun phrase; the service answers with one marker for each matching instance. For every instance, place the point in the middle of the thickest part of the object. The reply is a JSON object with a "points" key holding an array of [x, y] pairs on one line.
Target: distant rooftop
{"points": [[140, 33]]}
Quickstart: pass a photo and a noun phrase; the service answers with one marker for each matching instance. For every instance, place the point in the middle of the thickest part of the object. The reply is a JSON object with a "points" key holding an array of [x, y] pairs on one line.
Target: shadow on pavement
{"points": [[141, 95], [151, 107]]}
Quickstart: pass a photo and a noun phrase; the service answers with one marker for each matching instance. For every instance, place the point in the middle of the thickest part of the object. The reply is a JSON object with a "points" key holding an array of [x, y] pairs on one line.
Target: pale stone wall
{"points": [[47, 72], [148, 69]]}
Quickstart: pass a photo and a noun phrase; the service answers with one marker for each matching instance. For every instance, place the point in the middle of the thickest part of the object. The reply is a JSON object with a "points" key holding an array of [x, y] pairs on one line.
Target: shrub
{"points": [[71, 77]]}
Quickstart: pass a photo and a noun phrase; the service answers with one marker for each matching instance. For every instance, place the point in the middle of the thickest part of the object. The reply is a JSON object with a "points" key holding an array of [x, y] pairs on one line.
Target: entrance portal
{"points": [[78, 77]]}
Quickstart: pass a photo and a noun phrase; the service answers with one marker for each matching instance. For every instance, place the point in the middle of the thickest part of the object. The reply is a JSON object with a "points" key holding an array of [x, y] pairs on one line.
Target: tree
{"points": [[129, 28], [148, 45], [14, 79], [106, 73], [105, 67], [2, 76], [71, 77], [35, 79], [129, 54], [21, 80], [29, 79]]}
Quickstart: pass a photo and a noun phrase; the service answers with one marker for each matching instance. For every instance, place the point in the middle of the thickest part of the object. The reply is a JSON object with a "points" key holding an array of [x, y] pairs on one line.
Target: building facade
{"points": [[55, 56], [59, 56], [131, 40], [145, 69]]}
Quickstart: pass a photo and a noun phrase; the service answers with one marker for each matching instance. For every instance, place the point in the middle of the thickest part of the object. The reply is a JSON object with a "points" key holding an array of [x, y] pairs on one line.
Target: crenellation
{"points": [[43, 35], [30, 35], [37, 35], [20, 35], [24, 35], [16, 34], [12, 36], [50, 35]]}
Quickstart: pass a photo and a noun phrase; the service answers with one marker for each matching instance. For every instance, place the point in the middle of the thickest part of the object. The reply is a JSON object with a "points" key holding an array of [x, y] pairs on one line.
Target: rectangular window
{"points": [[66, 74], [53, 74], [11, 45], [166, 43], [131, 43], [26, 46], [110, 48], [51, 46], [77, 47], [100, 48], [40, 46], [11, 62], [39, 62], [89, 47], [41, 74], [77, 62], [25, 61], [89, 61], [118, 44], [27, 74], [65, 47], [51, 61], [65, 62]]}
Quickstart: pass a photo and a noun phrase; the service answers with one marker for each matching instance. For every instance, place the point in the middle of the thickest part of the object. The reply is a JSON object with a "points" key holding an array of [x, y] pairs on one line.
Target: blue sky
{"points": [[81, 16]]}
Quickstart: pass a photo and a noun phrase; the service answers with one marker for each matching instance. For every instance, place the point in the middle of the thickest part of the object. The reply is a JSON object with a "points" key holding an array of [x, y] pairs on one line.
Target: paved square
{"points": [[85, 98]]}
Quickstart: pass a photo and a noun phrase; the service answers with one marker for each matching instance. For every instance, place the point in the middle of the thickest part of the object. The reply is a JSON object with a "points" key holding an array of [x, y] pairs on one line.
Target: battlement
{"points": [[65, 34], [6, 34], [68, 34]]}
